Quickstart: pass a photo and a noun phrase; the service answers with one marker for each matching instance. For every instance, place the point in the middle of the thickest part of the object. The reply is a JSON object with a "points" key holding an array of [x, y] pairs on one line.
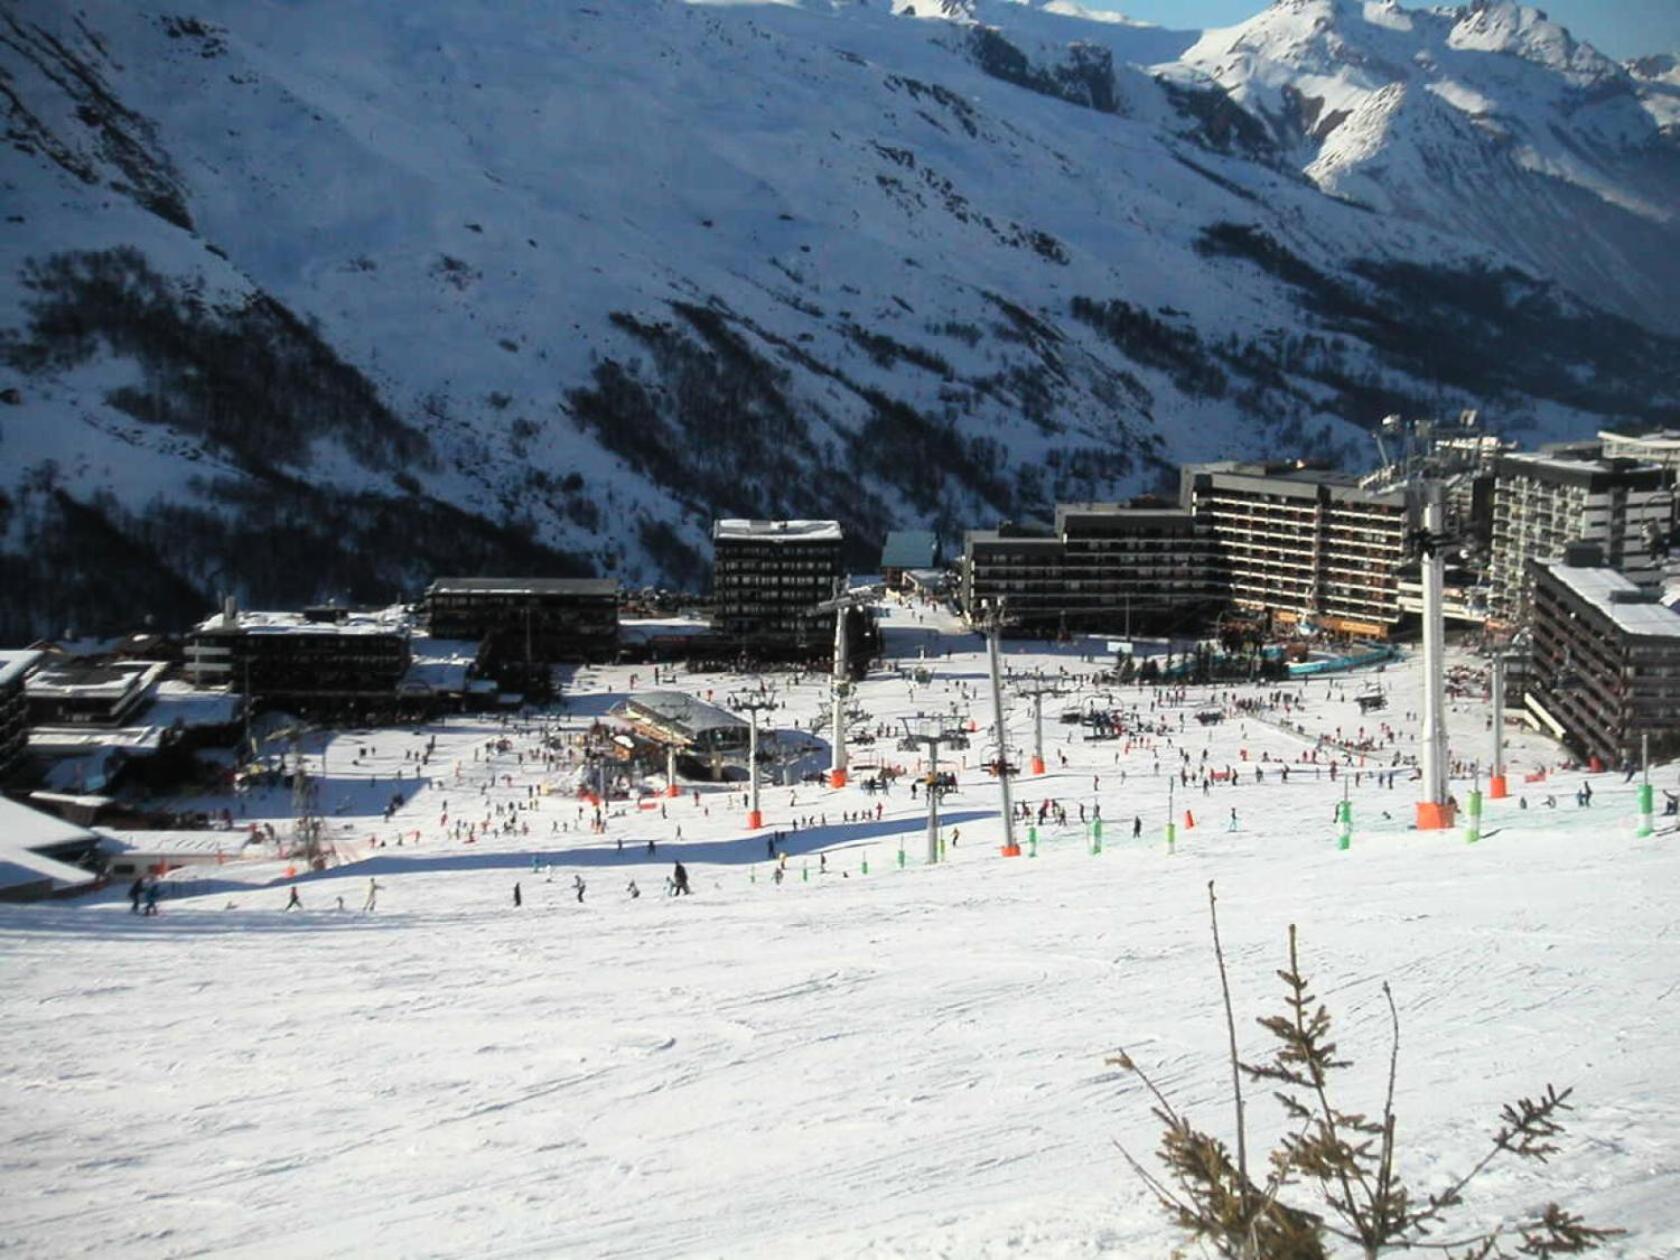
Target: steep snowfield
{"points": [[586, 276], [903, 1062]]}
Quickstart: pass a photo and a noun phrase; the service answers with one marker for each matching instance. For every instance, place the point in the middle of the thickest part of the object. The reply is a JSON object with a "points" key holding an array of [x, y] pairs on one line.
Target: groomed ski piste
{"points": [[905, 1062]]}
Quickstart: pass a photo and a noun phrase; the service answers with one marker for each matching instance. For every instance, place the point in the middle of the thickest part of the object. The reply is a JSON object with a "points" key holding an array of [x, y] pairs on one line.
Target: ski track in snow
{"points": [[905, 1062]]}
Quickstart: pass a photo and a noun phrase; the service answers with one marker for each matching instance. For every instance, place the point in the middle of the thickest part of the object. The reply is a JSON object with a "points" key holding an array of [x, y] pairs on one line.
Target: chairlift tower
{"points": [[759, 699], [843, 602], [930, 733], [1038, 689], [1434, 808], [993, 620]]}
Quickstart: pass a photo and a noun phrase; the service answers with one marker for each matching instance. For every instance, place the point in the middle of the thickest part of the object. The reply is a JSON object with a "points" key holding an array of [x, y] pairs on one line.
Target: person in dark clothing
{"points": [[650, 844], [680, 878], [1137, 826], [296, 902], [577, 883], [136, 890], [518, 898], [151, 898]]}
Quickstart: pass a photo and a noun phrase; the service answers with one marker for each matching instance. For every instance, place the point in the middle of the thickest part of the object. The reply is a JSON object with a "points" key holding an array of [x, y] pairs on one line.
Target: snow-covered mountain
{"points": [[1487, 121], [319, 298]]}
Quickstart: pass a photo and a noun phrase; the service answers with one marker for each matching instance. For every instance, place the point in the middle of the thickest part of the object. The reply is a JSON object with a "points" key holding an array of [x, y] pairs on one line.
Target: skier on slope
{"points": [[296, 902], [679, 878], [579, 885], [136, 890], [373, 896], [518, 898]]}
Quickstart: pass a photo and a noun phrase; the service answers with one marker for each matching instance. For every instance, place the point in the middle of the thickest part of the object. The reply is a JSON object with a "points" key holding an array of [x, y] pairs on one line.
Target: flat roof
{"points": [[15, 663], [108, 680], [1591, 473], [71, 741], [393, 620], [779, 531], [438, 666], [524, 586], [1599, 586], [909, 549], [194, 706]]}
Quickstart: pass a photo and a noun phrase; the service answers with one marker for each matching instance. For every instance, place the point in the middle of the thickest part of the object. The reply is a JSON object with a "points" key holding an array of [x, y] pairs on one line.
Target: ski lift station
{"points": [[687, 723]]}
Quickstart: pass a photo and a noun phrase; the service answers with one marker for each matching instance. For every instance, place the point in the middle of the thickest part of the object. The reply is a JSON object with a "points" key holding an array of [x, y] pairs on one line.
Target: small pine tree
{"points": [[1348, 1159]]}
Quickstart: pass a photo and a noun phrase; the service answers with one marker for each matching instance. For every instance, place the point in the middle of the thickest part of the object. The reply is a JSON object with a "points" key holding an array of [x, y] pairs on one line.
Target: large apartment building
{"points": [[767, 576], [528, 619], [1543, 502], [1303, 544], [1604, 659], [321, 659], [1105, 567]]}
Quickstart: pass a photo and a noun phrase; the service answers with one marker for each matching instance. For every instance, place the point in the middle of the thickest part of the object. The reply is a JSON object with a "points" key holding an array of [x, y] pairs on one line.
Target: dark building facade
{"points": [[14, 708], [768, 576], [1105, 567], [542, 620], [312, 661], [75, 692], [1604, 659]]}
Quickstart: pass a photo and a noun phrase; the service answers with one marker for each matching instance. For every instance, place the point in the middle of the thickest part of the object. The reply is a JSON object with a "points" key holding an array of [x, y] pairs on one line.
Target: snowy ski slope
{"points": [[904, 1062]]}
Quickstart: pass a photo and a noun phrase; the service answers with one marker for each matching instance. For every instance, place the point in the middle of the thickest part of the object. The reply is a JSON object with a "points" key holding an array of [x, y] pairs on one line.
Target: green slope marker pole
{"points": [[1096, 837], [865, 863], [1032, 842], [901, 855], [1473, 832], [1172, 834], [1647, 799], [1344, 838]]}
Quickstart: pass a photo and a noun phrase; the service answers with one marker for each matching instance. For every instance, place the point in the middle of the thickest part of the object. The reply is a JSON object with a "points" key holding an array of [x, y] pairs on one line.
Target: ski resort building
{"points": [[1104, 567], [537, 620], [77, 692], [321, 659], [907, 551], [1656, 446], [1543, 502], [14, 708], [686, 723], [768, 577], [1604, 659], [1303, 545], [39, 854]]}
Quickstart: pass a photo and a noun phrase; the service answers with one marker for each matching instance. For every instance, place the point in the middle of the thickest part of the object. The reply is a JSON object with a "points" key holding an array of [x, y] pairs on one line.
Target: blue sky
{"points": [[1618, 28]]}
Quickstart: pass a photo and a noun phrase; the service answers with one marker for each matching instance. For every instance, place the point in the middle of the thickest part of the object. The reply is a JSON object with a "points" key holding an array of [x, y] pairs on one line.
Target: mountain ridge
{"points": [[610, 275]]}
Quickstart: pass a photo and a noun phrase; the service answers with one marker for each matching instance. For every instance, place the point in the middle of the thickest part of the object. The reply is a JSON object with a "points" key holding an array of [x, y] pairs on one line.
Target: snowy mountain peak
{"points": [[1503, 26]]}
